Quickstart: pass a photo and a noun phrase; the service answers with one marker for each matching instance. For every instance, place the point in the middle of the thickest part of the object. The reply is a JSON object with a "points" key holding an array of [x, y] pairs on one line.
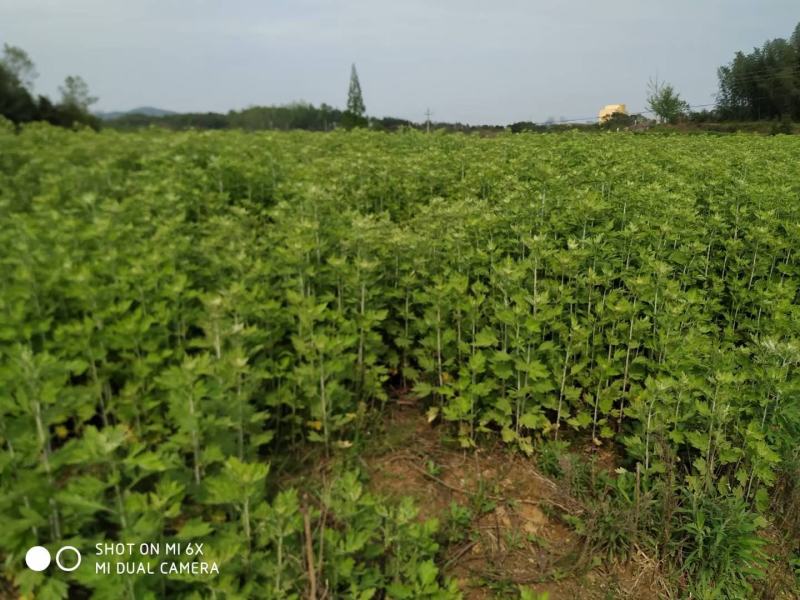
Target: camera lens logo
{"points": [[38, 558]]}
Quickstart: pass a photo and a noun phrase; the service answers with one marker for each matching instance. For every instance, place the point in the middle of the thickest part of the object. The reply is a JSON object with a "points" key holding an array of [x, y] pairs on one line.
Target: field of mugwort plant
{"points": [[183, 316]]}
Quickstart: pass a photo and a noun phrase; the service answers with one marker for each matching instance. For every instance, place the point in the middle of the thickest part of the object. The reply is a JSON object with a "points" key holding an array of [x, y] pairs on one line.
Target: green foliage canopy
{"points": [[665, 102], [762, 84]]}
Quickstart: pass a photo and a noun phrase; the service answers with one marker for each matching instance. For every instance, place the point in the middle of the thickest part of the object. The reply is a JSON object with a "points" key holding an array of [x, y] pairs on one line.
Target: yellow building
{"points": [[609, 109]]}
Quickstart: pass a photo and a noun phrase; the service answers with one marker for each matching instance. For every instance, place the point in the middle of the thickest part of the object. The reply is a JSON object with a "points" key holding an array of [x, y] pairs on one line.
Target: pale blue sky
{"points": [[473, 61]]}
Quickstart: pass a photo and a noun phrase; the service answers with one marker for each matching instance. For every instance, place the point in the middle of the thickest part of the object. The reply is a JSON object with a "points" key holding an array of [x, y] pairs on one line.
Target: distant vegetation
{"points": [[764, 84], [297, 115], [142, 110], [758, 92], [17, 101]]}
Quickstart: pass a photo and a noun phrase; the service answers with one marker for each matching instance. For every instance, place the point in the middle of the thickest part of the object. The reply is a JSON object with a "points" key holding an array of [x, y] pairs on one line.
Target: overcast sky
{"points": [[473, 61]]}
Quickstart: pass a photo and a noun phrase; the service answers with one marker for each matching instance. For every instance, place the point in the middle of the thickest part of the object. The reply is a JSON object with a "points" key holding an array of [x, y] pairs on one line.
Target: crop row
{"points": [[179, 310]]}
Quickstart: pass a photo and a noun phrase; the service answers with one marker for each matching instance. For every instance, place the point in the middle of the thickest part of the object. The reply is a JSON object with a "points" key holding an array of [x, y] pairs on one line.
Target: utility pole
{"points": [[428, 114]]}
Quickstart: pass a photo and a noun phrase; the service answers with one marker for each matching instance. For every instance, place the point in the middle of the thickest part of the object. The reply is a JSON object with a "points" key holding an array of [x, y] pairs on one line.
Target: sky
{"points": [[471, 61]]}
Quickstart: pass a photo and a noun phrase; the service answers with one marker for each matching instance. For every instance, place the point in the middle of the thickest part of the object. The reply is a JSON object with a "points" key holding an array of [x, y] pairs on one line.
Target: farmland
{"points": [[203, 335]]}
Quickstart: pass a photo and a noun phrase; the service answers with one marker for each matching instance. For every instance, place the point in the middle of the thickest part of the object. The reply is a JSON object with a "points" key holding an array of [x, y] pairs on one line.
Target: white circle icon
{"points": [[37, 558], [58, 559]]}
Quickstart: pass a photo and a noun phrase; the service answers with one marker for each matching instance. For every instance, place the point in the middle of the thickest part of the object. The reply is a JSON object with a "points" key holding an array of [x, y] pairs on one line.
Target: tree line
{"points": [[19, 104], [761, 85], [764, 84], [296, 115]]}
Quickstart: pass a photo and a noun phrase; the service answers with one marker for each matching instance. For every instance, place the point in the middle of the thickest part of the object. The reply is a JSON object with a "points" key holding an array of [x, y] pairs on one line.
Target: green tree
{"points": [[75, 93], [17, 73], [354, 115], [355, 100], [19, 65], [764, 84], [16, 103], [665, 102]]}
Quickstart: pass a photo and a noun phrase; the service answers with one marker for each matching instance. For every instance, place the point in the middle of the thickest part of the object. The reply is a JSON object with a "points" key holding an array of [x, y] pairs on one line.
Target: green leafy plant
{"points": [[719, 547], [180, 310]]}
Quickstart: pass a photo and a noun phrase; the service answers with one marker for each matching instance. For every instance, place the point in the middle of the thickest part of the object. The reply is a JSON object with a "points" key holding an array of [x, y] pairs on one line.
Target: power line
{"points": [[747, 78], [595, 117], [750, 76], [634, 112], [638, 112], [647, 111], [795, 70]]}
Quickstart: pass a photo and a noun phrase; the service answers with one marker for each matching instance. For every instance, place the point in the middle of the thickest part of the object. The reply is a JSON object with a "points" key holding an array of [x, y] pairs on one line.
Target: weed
{"points": [[526, 593], [457, 523], [718, 545], [550, 456]]}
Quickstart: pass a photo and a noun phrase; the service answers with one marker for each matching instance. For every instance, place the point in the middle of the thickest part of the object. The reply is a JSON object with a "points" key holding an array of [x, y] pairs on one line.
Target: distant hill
{"points": [[148, 111]]}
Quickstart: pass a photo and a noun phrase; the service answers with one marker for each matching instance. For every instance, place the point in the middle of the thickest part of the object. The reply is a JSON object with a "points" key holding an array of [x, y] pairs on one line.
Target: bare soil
{"points": [[517, 532]]}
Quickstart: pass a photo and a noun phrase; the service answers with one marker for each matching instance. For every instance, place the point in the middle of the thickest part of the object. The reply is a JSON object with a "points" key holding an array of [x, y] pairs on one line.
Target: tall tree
{"points": [[75, 93], [354, 115], [795, 39], [19, 65], [16, 103], [665, 102], [17, 74], [764, 84], [355, 100]]}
